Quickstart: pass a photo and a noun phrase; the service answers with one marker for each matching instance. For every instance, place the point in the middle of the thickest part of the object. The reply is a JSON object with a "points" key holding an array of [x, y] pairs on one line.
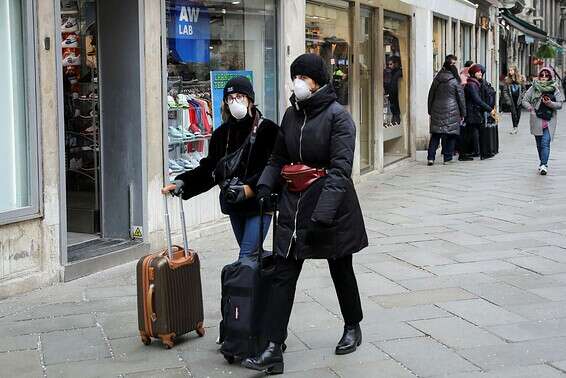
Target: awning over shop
{"points": [[522, 25]]}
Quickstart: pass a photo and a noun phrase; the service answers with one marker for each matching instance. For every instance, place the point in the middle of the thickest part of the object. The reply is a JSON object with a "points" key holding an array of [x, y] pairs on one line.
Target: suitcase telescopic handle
{"points": [[273, 200], [168, 227]]}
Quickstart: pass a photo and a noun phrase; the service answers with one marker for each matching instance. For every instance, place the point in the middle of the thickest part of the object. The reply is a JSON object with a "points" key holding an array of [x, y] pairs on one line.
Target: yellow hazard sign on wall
{"points": [[137, 232]]}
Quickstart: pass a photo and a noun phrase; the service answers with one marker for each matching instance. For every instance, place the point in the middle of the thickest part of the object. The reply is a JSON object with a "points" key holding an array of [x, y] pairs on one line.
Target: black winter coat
{"points": [[446, 104], [318, 132], [226, 139], [477, 102]]}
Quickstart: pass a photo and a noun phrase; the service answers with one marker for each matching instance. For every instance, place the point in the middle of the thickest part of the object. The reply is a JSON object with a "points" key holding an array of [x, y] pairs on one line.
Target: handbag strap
{"points": [[257, 121]]}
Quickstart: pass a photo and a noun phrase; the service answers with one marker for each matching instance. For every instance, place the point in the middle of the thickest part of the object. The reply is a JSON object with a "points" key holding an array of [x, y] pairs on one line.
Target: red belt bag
{"points": [[300, 176]]}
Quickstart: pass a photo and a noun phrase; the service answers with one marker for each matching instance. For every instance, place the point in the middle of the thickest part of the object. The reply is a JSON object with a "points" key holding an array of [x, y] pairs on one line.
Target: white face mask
{"points": [[301, 89], [238, 110]]}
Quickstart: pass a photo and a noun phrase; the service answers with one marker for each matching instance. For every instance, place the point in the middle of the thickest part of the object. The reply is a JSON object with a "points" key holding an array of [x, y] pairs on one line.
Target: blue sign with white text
{"points": [[218, 80], [188, 31]]}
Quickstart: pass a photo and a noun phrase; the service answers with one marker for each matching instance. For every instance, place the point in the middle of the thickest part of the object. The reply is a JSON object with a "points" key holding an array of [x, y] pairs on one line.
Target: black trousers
{"points": [[469, 140], [283, 283], [516, 117], [448, 143]]}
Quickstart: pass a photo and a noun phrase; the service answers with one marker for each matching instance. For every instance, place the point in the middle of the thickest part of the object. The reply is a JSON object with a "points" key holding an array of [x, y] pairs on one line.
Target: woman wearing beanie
{"points": [[542, 100], [320, 216], [477, 103], [511, 94], [447, 109], [244, 129]]}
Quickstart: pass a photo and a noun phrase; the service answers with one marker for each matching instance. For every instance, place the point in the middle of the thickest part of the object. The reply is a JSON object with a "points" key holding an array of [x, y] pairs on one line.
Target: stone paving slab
{"points": [[535, 371], [481, 312], [75, 345], [21, 364], [422, 297], [437, 360]]}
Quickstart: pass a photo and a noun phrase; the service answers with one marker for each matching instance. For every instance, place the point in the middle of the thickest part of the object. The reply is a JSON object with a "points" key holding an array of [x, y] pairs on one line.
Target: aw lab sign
{"points": [[188, 31]]}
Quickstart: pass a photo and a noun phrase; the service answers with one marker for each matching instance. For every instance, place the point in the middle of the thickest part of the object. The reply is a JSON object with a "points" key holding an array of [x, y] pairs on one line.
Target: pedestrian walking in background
{"points": [[478, 99], [244, 142], [447, 109], [319, 213], [464, 74], [542, 100], [511, 94]]}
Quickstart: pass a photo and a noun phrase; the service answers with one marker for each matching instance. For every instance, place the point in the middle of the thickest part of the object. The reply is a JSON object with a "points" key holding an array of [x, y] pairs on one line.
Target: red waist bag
{"points": [[300, 176]]}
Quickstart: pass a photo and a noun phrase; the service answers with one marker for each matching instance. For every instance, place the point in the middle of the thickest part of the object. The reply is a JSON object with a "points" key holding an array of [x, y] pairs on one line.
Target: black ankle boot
{"points": [[269, 361], [351, 339]]}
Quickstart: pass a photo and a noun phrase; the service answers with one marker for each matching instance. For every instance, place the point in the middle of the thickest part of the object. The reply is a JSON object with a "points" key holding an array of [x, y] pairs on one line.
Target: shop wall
{"points": [[29, 251]]}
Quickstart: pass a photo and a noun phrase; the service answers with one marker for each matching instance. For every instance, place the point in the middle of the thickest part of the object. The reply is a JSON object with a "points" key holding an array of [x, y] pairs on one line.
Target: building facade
{"points": [[107, 101]]}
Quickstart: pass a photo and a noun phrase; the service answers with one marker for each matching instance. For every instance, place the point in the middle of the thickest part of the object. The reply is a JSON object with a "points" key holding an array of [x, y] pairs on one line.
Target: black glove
{"points": [[179, 188], [317, 232], [263, 193]]}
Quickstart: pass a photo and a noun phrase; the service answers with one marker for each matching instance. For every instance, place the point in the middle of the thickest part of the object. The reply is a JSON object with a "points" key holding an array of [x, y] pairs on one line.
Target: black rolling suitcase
{"points": [[244, 299], [489, 138]]}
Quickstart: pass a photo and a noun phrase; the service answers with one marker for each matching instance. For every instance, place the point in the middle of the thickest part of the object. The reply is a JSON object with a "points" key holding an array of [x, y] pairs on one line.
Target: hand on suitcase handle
{"points": [[176, 188]]}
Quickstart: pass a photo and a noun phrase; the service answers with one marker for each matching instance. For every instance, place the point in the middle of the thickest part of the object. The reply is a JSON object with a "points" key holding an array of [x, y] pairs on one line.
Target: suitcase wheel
{"points": [[230, 359], [168, 340], [146, 340], [200, 329]]}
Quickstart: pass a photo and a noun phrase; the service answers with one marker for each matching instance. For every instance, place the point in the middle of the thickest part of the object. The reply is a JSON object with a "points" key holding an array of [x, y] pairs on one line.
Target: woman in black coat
{"points": [[324, 221], [447, 109], [242, 118], [479, 99]]}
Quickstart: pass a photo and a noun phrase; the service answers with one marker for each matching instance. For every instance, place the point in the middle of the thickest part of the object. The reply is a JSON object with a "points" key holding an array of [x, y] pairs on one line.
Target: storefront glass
{"points": [[208, 42], [81, 111], [15, 120], [327, 31], [396, 76], [438, 43], [466, 42], [366, 89]]}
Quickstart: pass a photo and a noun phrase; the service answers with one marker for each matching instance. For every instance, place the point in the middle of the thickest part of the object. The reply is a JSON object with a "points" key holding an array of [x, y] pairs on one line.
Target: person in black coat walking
{"points": [[447, 109], [323, 221], [237, 193], [479, 99], [396, 72]]}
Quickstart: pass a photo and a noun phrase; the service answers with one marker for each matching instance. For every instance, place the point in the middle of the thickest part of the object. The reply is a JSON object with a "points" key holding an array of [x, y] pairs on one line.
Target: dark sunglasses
{"points": [[544, 75]]}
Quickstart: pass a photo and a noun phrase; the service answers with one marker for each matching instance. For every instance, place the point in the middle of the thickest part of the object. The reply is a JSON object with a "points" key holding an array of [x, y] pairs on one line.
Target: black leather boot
{"points": [[269, 361], [351, 339]]}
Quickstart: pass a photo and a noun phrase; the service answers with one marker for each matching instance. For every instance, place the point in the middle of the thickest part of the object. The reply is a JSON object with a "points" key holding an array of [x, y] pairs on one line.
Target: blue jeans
{"points": [[543, 146], [246, 230]]}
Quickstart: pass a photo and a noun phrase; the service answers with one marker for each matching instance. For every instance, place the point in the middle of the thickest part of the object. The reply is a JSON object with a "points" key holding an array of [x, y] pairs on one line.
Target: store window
{"points": [[438, 43], [18, 133], [208, 42], [396, 76], [366, 89], [327, 32], [466, 42]]}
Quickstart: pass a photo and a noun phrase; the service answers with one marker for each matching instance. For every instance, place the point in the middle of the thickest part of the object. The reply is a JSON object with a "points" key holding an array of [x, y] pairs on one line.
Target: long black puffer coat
{"points": [[477, 102], [226, 139], [317, 132], [446, 104]]}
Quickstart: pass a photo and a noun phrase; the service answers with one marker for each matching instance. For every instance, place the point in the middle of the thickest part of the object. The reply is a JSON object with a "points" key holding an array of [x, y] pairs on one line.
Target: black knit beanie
{"points": [[239, 84], [311, 65]]}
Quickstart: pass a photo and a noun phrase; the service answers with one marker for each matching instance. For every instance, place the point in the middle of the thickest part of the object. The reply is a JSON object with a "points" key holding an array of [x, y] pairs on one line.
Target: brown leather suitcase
{"points": [[170, 291]]}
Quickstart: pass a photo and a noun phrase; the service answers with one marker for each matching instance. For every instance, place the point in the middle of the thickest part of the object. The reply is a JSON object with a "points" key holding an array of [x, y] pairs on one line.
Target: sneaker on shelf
{"points": [[183, 101], [70, 59], [90, 115], [175, 133], [175, 167], [171, 102], [69, 7], [90, 130], [69, 25], [72, 40], [543, 170]]}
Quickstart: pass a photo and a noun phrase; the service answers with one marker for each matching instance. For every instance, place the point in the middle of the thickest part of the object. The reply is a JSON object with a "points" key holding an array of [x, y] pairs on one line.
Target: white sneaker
{"points": [[69, 25], [543, 170], [514, 131], [71, 41], [70, 59]]}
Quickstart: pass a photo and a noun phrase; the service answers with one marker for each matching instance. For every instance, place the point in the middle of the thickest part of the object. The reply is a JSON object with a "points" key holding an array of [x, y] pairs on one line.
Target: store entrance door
{"points": [[102, 96]]}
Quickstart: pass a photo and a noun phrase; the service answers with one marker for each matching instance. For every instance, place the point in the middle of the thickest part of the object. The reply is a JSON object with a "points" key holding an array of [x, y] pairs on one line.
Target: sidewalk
{"points": [[465, 276]]}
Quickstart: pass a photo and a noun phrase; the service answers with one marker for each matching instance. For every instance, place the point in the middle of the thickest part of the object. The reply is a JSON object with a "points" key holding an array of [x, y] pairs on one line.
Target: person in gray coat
{"points": [[542, 100], [447, 109]]}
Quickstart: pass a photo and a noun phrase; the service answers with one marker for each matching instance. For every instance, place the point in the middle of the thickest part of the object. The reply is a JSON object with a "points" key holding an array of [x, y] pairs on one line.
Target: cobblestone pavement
{"points": [[465, 276]]}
